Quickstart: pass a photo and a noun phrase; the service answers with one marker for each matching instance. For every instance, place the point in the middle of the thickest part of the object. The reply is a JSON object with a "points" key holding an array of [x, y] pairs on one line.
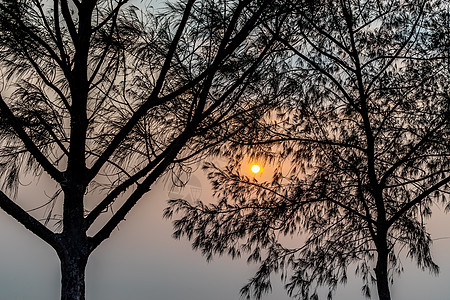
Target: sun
{"points": [[255, 169]]}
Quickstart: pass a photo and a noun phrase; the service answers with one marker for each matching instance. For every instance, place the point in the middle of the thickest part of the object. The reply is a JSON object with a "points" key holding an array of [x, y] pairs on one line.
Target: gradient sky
{"points": [[142, 262]]}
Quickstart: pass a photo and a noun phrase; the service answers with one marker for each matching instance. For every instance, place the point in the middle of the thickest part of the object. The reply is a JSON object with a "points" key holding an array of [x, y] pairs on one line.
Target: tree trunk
{"points": [[73, 278], [381, 272]]}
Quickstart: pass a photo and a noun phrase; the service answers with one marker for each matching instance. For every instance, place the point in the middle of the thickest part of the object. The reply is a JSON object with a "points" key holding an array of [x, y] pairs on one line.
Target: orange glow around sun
{"points": [[255, 169]]}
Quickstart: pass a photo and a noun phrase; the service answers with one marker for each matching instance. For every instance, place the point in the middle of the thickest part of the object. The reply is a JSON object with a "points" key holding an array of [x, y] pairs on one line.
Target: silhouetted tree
{"points": [[361, 151], [106, 97]]}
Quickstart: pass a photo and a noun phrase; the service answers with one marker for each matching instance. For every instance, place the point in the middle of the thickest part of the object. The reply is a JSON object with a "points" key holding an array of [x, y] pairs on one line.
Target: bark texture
{"points": [[73, 278], [381, 272]]}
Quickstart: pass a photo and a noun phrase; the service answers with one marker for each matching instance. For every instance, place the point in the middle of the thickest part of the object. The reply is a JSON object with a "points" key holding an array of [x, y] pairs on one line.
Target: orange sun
{"points": [[255, 169]]}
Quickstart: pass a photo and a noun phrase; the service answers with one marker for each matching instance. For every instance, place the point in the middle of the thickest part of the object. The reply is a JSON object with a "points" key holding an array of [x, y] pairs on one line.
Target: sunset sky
{"points": [[142, 261], [324, 126]]}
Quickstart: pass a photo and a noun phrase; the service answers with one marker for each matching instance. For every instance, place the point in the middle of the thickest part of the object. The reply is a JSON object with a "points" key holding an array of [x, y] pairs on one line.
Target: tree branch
{"points": [[152, 101], [92, 216], [142, 188], [417, 200], [404, 159], [29, 144], [14, 210]]}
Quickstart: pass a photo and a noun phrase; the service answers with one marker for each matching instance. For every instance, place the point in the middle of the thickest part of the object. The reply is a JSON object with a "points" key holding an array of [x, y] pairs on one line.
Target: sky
{"points": [[142, 262]]}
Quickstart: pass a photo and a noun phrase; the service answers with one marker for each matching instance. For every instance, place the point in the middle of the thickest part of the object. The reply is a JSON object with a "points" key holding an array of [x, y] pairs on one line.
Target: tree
{"points": [[106, 97], [361, 152]]}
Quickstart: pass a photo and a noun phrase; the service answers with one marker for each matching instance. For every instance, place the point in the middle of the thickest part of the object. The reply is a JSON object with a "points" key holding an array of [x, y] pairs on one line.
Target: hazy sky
{"points": [[142, 262]]}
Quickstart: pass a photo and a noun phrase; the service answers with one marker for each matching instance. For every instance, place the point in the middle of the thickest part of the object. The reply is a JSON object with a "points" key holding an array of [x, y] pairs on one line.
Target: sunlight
{"points": [[256, 169]]}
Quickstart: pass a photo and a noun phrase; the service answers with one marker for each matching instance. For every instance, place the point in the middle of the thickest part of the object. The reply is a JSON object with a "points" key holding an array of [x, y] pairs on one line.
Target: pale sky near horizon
{"points": [[142, 262]]}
